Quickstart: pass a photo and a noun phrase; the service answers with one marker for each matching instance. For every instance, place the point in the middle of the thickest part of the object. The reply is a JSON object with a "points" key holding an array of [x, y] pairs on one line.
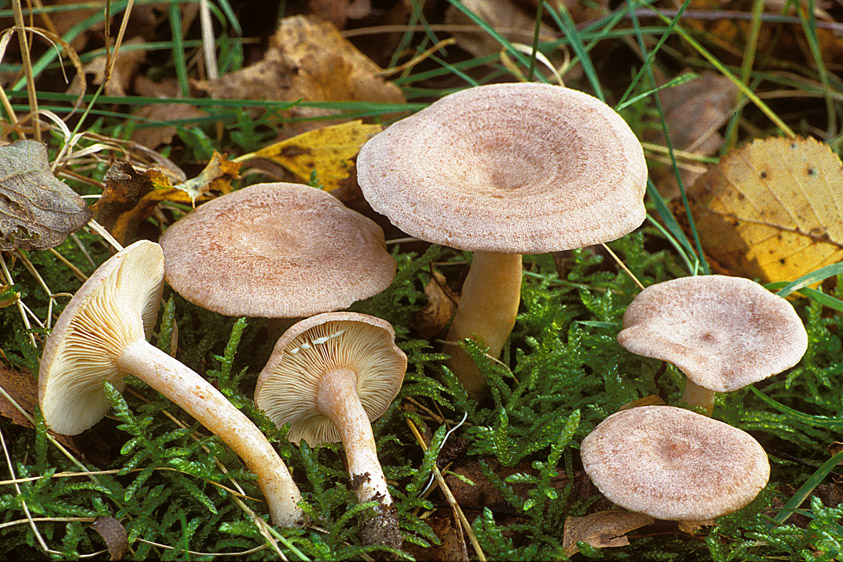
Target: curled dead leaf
{"points": [[37, 211], [772, 210], [114, 534], [603, 529], [130, 197], [441, 305]]}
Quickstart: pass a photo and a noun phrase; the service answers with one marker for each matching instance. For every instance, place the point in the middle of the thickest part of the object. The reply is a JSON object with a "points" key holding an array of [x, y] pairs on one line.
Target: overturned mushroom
{"points": [[674, 464], [329, 377], [504, 170], [101, 336], [723, 332]]}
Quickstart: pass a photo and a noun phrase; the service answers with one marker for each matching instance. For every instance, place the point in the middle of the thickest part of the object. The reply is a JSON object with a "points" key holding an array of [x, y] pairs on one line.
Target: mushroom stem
{"points": [[696, 395], [201, 400], [338, 401], [487, 309]]}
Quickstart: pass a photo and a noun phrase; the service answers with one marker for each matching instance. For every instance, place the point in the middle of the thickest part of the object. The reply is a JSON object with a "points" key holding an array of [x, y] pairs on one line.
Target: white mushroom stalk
{"points": [[338, 401], [101, 336], [329, 377]]}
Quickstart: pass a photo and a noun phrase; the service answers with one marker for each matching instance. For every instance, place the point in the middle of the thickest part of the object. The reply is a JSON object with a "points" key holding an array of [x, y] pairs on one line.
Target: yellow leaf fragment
{"points": [[216, 176], [327, 152], [773, 209], [603, 529]]}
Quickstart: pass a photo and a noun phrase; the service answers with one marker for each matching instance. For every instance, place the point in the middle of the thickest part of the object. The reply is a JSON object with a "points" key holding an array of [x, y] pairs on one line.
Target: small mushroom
{"points": [[674, 464], [101, 336], [329, 377], [276, 250], [504, 170], [723, 332]]}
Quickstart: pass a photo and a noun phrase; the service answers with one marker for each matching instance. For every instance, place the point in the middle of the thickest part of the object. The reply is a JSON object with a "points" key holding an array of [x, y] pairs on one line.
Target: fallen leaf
{"points": [[217, 175], [22, 387], [119, 209], [328, 66], [162, 135], [693, 112], [153, 135], [307, 59], [123, 70], [37, 211], [441, 305], [338, 12], [325, 153], [504, 16], [603, 529], [772, 210], [114, 534], [452, 546], [130, 197]]}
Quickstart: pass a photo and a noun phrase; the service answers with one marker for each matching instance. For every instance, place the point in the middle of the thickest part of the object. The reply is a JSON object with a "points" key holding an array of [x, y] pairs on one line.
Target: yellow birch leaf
{"points": [[772, 210], [327, 152]]}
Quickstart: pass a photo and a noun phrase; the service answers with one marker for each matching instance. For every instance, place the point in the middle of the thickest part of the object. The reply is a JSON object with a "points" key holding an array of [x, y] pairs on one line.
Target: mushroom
{"points": [[504, 170], [101, 336], [329, 377], [674, 464], [276, 250], [723, 332]]}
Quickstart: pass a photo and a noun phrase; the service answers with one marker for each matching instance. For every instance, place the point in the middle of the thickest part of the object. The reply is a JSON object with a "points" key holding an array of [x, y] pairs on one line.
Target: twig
{"points": [[449, 496], [27, 65]]}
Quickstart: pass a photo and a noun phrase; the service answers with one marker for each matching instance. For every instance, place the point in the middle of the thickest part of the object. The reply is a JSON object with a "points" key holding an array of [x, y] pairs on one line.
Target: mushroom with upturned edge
{"points": [[101, 336], [674, 464], [504, 170], [329, 377], [276, 250], [723, 332]]}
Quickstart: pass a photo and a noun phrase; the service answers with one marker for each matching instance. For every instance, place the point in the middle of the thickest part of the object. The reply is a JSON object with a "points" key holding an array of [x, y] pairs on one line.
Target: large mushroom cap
{"points": [[723, 332], [276, 250], [288, 385], [674, 464], [510, 168], [117, 305]]}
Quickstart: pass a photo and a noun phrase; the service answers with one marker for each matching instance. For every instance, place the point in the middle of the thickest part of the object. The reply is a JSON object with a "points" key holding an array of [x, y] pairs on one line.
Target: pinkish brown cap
{"points": [[723, 332], [276, 250], [288, 385], [509, 168], [674, 464]]}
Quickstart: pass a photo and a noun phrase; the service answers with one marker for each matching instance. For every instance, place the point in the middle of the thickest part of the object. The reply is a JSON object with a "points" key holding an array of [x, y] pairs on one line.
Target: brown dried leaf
{"points": [[505, 16], [160, 135], [123, 71], [130, 197], [37, 211], [328, 66], [693, 111], [772, 210], [22, 387], [603, 529], [118, 208], [114, 534], [307, 59], [441, 305]]}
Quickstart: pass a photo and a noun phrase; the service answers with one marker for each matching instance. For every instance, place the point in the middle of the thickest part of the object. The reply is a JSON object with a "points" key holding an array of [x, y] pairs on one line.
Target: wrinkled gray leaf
{"points": [[37, 211]]}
